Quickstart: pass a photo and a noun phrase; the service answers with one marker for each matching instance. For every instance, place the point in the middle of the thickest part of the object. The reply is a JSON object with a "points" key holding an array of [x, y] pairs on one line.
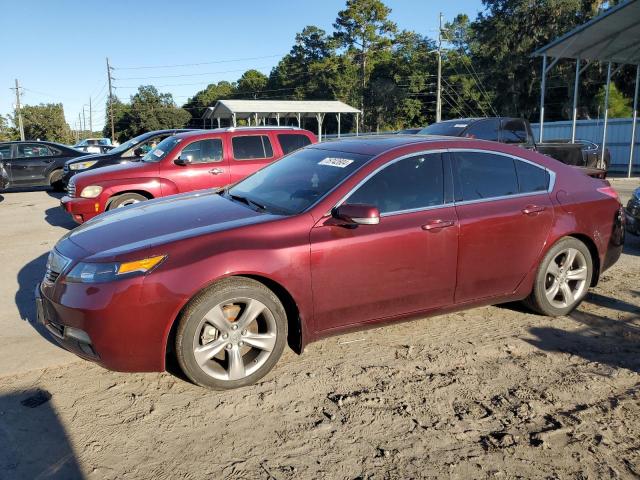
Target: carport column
{"points": [[278, 119], [338, 125], [635, 121], [575, 101], [542, 87], [357, 122], [606, 115], [320, 119], [298, 117], [233, 117], [218, 122], [255, 115]]}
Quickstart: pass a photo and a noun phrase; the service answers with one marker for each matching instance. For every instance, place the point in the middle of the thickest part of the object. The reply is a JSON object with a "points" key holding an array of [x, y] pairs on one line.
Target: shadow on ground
{"points": [[600, 338], [33, 442], [632, 244]]}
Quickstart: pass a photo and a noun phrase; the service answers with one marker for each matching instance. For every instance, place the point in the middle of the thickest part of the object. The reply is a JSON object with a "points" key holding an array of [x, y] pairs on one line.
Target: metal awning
{"points": [[613, 38], [261, 110]]}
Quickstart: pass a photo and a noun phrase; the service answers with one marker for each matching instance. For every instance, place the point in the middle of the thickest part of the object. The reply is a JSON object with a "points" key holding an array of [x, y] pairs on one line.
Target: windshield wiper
{"points": [[248, 201]]}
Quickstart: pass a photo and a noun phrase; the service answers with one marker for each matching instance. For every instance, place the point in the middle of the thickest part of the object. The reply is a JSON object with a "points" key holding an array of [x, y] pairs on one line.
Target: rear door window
{"points": [[488, 129], [531, 178], [250, 147], [5, 152], [410, 184], [34, 151], [485, 175], [204, 151], [290, 142]]}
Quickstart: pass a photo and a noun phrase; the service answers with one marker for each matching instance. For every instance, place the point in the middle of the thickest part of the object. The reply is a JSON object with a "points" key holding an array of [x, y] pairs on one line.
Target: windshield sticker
{"points": [[315, 180], [158, 153], [460, 125], [336, 162]]}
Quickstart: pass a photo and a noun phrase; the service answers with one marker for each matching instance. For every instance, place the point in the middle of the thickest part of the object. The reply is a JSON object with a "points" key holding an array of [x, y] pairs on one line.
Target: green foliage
{"points": [[7, 132], [251, 83], [619, 105], [45, 122]]}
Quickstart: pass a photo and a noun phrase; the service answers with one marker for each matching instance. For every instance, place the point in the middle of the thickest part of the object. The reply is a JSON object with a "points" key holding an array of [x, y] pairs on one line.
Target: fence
{"points": [[618, 139]]}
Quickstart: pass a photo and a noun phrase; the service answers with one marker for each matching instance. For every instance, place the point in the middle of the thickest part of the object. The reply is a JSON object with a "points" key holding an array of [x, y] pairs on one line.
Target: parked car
{"points": [[4, 176], [336, 236], [94, 145], [130, 151], [409, 131], [182, 163], [632, 213], [35, 163], [517, 131]]}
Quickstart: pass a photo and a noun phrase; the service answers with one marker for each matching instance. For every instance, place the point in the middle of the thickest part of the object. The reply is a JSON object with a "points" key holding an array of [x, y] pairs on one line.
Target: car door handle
{"points": [[216, 171], [533, 209], [437, 225]]}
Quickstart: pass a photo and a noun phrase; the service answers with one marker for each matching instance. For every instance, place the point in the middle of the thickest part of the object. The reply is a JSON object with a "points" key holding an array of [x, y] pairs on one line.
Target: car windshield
{"points": [[448, 129], [297, 181], [162, 150], [130, 143]]}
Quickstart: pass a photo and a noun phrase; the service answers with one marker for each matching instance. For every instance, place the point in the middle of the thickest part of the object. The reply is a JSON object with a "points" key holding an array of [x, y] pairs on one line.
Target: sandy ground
{"points": [[490, 392]]}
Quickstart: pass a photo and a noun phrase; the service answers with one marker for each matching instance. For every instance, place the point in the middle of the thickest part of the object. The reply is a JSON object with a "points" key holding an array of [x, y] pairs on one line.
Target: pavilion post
{"points": [[542, 88], [576, 85], [204, 123], [255, 115], [218, 122], [357, 122], [278, 119], [606, 115], [320, 118], [233, 117], [634, 123], [339, 122], [299, 123]]}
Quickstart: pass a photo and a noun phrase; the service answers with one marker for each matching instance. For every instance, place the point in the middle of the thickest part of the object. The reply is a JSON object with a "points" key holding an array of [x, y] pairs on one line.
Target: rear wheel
{"points": [[231, 335], [563, 278], [55, 180], [126, 199]]}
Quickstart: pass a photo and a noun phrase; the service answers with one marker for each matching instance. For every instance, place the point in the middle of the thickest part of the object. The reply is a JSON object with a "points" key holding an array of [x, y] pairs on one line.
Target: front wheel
{"points": [[55, 180], [126, 199], [231, 335], [563, 278]]}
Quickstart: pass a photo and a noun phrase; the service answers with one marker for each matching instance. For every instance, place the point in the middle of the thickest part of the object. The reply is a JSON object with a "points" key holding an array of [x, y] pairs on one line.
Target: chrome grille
{"points": [[56, 263], [71, 188]]}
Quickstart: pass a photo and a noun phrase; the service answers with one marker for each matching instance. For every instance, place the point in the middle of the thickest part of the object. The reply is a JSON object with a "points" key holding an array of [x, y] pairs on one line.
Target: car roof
{"points": [[377, 144], [204, 133]]}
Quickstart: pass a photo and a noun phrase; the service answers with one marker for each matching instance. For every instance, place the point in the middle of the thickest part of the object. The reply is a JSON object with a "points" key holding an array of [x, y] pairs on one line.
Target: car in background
{"points": [[182, 163], [632, 212], [95, 145], [409, 131], [35, 163], [337, 236], [130, 151], [517, 131], [4, 176]]}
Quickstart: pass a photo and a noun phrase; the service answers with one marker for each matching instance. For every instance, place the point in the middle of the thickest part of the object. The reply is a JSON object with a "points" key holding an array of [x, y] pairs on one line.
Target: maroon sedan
{"points": [[336, 236]]}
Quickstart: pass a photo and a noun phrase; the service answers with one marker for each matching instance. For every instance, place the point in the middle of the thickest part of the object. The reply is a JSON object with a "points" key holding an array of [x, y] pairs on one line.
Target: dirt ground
{"points": [[490, 392]]}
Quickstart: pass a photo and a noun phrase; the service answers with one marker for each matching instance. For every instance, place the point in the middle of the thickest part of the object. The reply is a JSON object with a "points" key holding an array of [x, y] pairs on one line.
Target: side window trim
{"points": [[446, 203], [458, 190], [262, 135]]}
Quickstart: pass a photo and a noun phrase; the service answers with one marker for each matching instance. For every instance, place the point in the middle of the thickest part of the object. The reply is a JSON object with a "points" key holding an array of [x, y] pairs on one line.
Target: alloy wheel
{"points": [[566, 278]]}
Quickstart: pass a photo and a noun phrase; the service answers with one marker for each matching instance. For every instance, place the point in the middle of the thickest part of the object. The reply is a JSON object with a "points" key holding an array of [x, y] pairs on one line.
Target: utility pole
{"points": [[84, 120], [18, 111], [90, 119], [439, 92], [113, 132], [80, 124]]}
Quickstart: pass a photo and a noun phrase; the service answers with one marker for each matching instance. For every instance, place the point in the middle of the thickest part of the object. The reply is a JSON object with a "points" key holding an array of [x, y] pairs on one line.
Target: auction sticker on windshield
{"points": [[336, 162], [157, 152]]}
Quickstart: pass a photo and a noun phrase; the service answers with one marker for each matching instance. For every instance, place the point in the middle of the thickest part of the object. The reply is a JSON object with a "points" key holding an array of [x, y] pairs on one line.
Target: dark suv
{"points": [[130, 151]]}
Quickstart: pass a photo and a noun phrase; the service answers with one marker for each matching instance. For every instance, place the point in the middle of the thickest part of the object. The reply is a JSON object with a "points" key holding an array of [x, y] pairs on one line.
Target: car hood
{"points": [[160, 221], [89, 156], [115, 172]]}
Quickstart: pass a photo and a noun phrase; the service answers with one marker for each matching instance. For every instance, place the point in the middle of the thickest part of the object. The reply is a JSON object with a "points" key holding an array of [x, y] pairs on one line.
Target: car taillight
{"points": [[610, 192]]}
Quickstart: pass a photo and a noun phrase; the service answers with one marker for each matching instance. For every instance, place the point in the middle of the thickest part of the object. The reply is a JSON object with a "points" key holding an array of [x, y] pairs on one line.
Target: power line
{"points": [[197, 64]]}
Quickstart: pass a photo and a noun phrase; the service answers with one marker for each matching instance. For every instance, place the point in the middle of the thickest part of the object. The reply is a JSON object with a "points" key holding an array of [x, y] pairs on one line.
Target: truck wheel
{"points": [[563, 278], [125, 199], [231, 334], [55, 180]]}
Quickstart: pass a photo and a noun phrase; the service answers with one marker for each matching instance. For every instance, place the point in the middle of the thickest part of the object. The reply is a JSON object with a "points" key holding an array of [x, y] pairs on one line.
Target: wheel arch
{"points": [[595, 255], [148, 195]]}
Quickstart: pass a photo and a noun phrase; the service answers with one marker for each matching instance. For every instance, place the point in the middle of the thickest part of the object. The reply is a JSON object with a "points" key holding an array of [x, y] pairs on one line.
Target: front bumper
{"points": [[81, 209]]}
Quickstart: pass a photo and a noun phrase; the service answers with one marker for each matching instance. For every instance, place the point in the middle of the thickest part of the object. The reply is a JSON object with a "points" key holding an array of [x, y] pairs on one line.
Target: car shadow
{"points": [[632, 244], [29, 277], [33, 442], [602, 339], [1, 198], [57, 217]]}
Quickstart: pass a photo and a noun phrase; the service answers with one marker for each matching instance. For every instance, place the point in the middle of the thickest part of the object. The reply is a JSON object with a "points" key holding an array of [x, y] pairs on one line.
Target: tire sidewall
{"points": [[203, 303], [117, 200], [542, 303]]}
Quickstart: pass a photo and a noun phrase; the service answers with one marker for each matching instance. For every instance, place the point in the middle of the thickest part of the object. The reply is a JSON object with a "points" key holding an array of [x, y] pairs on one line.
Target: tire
{"points": [[125, 199], [557, 290], [239, 329], [55, 180]]}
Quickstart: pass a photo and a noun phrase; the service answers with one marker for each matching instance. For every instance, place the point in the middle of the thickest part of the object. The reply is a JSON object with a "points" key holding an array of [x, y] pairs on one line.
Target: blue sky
{"points": [[57, 49]]}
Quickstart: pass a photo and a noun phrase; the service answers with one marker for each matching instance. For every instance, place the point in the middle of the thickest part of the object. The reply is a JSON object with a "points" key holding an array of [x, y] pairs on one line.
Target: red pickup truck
{"points": [[182, 163]]}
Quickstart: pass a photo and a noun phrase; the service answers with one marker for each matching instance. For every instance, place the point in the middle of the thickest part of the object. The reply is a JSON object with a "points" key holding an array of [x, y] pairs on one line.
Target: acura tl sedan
{"points": [[337, 236]]}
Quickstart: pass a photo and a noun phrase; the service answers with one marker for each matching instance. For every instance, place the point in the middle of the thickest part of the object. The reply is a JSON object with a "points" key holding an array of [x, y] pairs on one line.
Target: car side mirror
{"points": [[357, 214], [183, 160]]}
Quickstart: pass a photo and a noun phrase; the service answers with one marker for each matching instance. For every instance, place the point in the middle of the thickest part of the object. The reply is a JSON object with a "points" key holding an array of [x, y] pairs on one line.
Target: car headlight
{"points": [[92, 191], [82, 165], [86, 272]]}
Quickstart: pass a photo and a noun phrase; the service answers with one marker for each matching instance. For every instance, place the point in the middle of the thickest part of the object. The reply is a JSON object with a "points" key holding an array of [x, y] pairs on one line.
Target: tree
{"points": [[619, 105], [7, 133], [364, 27], [251, 83], [45, 122], [120, 120], [197, 104]]}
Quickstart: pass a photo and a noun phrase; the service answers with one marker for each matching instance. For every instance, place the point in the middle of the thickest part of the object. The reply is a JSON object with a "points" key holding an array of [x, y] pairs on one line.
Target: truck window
{"points": [[250, 147], [204, 151], [488, 129], [514, 131], [290, 142]]}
